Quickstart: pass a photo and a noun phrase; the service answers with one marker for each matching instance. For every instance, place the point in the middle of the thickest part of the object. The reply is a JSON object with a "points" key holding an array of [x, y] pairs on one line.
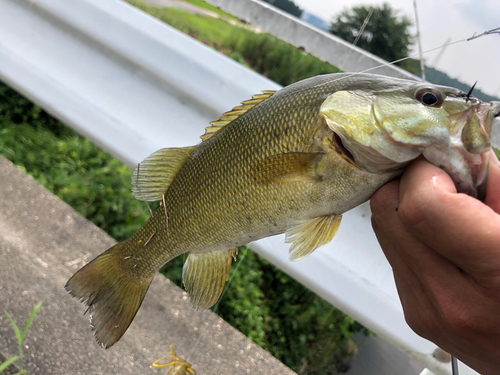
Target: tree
{"points": [[287, 5], [386, 34]]}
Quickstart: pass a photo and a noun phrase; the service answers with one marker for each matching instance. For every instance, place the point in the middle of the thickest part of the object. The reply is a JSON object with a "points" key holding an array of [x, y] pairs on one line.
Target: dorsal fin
{"points": [[154, 174], [236, 112]]}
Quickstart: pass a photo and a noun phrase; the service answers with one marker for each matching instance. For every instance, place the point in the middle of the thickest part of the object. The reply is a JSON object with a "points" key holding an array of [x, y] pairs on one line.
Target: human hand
{"points": [[444, 249]]}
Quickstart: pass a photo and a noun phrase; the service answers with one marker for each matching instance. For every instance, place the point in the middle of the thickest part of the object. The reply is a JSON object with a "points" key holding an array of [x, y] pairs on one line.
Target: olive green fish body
{"points": [[226, 196], [292, 161]]}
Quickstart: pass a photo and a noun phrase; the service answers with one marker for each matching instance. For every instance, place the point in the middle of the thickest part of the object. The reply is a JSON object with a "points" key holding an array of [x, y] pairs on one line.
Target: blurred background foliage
{"points": [[271, 57], [386, 35], [279, 314]]}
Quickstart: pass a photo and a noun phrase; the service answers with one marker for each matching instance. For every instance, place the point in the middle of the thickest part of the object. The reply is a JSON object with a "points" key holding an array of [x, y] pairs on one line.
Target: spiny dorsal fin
{"points": [[236, 112], [311, 234], [204, 276], [153, 176]]}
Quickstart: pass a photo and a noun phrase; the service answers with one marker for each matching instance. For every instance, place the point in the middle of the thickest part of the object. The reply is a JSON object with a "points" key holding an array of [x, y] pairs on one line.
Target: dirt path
{"points": [[187, 7]]}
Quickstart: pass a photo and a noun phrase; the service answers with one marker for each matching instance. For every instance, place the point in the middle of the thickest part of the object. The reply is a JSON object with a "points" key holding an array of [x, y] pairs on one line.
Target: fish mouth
{"points": [[467, 159], [481, 171], [496, 114], [468, 171], [496, 110]]}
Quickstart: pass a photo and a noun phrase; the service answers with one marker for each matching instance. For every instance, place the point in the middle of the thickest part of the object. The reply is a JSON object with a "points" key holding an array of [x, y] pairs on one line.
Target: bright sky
{"points": [[476, 60]]}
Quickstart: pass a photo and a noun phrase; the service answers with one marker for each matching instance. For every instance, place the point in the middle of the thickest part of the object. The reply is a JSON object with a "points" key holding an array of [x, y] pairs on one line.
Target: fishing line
{"points": [[228, 284], [360, 34], [489, 32], [454, 363]]}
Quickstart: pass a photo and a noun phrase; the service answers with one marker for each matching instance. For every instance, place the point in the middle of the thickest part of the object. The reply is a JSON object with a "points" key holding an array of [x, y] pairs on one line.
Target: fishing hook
{"points": [[467, 98]]}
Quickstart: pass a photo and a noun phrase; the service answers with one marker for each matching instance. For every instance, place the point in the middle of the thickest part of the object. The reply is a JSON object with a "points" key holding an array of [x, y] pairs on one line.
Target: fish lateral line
{"points": [[249, 190]]}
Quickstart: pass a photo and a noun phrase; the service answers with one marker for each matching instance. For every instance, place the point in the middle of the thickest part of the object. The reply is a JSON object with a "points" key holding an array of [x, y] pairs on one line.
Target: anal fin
{"points": [[205, 274], [311, 234]]}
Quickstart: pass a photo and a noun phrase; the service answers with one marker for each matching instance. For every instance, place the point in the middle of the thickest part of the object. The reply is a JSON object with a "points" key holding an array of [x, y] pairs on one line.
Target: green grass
{"points": [[276, 312], [267, 55], [20, 336], [194, 25], [80, 173], [207, 6], [273, 58], [292, 323]]}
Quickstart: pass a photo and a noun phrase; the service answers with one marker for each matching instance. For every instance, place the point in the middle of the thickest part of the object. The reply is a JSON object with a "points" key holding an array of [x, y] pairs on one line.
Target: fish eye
{"points": [[429, 97]]}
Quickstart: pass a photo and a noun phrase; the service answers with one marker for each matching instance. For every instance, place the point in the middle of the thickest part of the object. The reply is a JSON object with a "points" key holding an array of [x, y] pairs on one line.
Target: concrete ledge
{"points": [[42, 242]]}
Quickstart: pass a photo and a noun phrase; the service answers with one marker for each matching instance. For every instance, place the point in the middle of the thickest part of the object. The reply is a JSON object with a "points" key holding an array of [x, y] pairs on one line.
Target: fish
{"points": [[288, 161]]}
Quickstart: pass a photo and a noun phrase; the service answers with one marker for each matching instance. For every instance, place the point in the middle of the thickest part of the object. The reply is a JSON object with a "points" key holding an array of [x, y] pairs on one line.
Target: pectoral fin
{"points": [[153, 176], [293, 166], [204, 276], [311, 234]]}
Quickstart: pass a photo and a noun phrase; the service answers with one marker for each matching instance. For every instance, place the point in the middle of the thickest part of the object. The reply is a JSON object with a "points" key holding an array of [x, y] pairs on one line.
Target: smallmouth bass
{"points": [[291, 161]]}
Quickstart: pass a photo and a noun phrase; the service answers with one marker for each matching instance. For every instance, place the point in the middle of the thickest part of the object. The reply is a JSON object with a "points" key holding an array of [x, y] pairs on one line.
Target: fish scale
{"points": [[292, 161]]}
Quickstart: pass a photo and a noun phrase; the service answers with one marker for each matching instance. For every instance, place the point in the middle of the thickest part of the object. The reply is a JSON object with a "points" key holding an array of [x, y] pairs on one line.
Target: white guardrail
{"points": [[134, 85]]}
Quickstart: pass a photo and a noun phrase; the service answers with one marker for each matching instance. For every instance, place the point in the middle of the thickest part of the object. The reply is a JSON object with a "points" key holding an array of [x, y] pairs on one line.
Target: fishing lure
{"points": [[179, 366]]}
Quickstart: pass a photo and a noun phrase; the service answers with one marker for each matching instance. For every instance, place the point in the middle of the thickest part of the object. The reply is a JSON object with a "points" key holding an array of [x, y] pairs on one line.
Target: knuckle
{"points": [[411, 211], [423, 324], [457, 321]]}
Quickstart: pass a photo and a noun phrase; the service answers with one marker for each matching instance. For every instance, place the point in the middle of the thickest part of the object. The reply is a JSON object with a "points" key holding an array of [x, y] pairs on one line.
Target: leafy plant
{"points": [[7, 363], [387, 34], [20, 339], [258, 302], [80, 173], [287, 5], [271, 57]]}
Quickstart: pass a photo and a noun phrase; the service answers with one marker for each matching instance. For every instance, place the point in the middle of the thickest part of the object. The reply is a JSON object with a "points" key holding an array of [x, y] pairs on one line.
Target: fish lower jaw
{"points": [[468, 171]]}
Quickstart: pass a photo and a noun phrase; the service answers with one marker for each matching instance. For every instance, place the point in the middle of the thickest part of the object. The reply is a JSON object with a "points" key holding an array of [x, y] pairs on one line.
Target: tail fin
{"points": [[112, 293]]}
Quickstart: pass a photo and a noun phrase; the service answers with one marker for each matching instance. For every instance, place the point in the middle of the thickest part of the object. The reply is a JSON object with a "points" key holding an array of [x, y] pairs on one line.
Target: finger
{"points": [[418, 310], [492, 198], [420, 313], [460, 228], [384, 205], [428, 284], [399, 244]]}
